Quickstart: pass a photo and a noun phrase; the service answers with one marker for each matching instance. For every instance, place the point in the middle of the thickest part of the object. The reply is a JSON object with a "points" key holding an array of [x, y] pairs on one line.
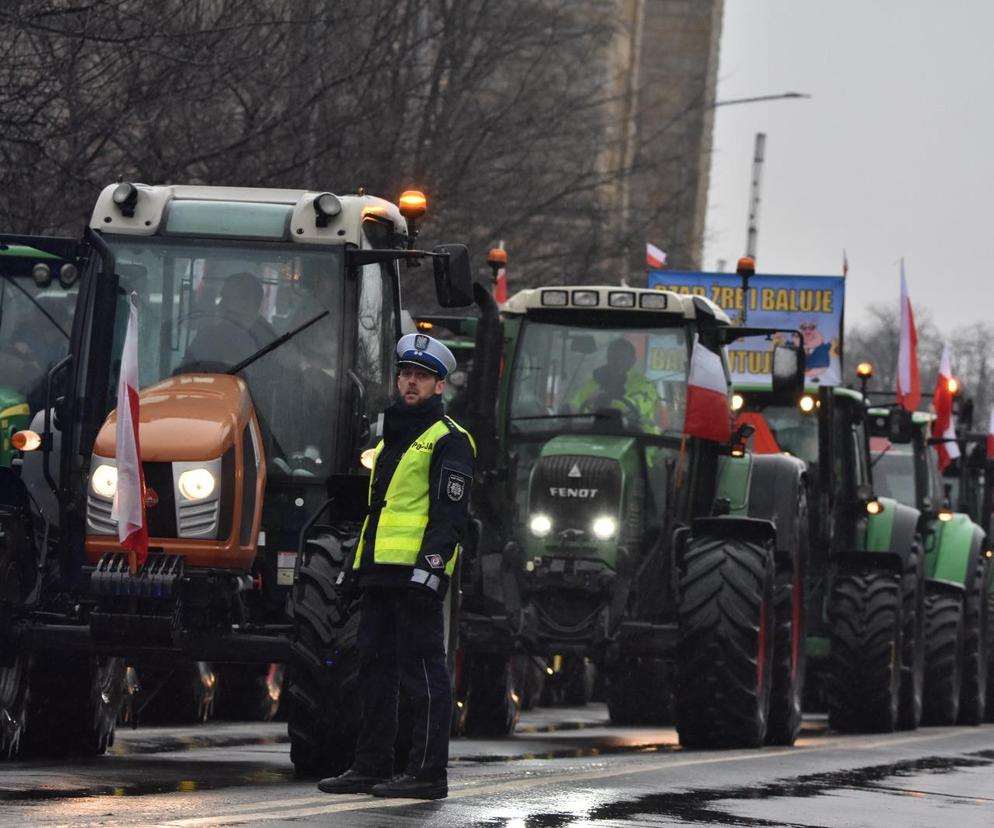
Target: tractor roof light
{"points": [[864, 370], [326, 206], [953, 385], [874, 507], [945, 515], [25, 440], [654, 301], [586, 298], [497, 257], [806, 404], [125, 196], [413, 204], [555, 298], [746, 265], [621, 299]]}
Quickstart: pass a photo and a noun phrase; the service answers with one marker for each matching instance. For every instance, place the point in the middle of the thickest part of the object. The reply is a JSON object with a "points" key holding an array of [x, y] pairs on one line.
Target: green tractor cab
{"points": [[957, 569], [607, 532]]}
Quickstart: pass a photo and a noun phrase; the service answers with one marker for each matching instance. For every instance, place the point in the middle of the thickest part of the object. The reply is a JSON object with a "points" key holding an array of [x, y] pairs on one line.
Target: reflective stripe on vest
{"points": [[404, 515]]}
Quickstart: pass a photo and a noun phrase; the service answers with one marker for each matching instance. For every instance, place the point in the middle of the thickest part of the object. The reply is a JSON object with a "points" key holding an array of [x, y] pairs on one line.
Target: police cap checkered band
{"points": [[426, 352]]}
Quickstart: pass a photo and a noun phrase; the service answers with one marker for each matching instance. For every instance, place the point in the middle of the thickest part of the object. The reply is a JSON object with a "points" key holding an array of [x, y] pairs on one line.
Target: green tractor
{"points": [[957, 568], [864, 587], [606, 532], [37, 298]]}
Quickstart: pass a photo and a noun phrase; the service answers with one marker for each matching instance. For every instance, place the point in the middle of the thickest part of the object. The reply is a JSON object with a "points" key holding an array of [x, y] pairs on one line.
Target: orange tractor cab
{"points": [[267, 320]]}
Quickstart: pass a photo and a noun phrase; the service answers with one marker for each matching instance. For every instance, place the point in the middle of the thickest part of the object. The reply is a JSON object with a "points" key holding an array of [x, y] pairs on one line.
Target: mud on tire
{"points": [[864, 663], [725, 643]]}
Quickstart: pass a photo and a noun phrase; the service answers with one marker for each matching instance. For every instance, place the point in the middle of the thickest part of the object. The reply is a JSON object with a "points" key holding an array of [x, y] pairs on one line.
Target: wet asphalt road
{"points": [[565, 767]]}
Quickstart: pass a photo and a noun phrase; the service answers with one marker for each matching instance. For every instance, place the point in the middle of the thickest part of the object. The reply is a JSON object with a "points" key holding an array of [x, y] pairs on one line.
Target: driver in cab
{"points": [[620, 385]]}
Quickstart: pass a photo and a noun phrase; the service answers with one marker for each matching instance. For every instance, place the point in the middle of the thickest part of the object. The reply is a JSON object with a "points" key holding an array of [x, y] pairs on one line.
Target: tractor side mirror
{"points": [[453, 279], [787, 369]]}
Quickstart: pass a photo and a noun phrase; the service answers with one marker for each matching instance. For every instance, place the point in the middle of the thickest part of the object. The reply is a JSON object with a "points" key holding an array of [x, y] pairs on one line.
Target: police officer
{"points": [[418, 501]]}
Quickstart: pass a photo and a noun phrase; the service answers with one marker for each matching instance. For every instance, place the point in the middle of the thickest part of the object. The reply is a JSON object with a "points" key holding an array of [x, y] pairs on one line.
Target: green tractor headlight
{"points": [[605, 527], [540, 525]]}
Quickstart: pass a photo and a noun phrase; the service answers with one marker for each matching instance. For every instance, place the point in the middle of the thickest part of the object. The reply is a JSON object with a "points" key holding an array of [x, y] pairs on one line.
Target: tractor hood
{"points": [[187, 417]]}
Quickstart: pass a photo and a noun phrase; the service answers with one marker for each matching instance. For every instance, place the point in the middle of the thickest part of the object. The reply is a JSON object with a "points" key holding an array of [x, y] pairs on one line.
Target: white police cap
{"points": [[426, 352]]}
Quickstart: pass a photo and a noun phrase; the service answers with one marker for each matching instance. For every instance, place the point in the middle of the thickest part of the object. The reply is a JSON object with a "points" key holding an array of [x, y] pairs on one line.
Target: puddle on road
{"points": [[156, 743], [568, 753], [701, 806]]}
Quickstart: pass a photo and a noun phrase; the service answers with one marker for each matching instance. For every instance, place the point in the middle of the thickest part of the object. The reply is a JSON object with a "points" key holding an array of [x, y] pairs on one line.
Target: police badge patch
{"points": [[455, 487], [434, 561], [421, 342]]}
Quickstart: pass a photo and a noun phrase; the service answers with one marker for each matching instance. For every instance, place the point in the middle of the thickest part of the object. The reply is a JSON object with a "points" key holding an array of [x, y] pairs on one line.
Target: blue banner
{"points": [[812, 305]]}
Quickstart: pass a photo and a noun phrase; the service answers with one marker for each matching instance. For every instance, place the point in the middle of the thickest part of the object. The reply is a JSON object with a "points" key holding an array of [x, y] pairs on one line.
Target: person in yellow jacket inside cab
{"points": [[418, 511], [618, 384]]}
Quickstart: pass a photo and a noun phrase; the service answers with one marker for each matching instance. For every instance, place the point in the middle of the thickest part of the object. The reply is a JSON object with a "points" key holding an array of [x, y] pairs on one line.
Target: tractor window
{"points": [[893, 470], [572, 378], [378, 335], [34, 326], [208, 306]]}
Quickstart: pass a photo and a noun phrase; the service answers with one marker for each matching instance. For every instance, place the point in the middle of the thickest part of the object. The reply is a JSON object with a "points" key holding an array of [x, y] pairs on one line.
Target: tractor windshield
{"points": [[206, 306], [780, 428], [893, 469], [35, 321], [593, 379]]}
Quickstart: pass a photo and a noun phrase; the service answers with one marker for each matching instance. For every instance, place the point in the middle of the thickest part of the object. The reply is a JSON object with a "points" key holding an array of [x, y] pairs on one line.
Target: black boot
{"points": [[352, 781], [406, 786]]}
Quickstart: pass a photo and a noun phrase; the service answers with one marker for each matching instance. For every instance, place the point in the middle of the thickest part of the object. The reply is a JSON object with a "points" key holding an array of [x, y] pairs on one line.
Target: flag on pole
{"points": [[708, 413], [845, 263], [654, 257], [990, 437], [942, 400], [500, 289], [129, 500], [908, 387]]}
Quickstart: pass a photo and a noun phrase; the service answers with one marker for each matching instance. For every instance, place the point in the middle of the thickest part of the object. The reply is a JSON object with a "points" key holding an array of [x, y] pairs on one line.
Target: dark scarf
{"points": [[402, 422]]}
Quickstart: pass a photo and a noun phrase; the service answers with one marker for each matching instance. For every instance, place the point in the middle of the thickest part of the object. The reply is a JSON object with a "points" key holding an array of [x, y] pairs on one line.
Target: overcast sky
{"points": [[892, 156]]}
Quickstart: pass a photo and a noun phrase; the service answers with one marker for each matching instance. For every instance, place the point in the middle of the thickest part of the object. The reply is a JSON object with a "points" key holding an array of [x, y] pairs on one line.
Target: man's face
{"points": [[417, 385], [812, 336]]}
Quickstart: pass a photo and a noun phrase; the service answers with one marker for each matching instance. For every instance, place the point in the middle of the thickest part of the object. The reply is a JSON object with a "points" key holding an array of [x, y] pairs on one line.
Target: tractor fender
{"points": [[776, 481], [892, 530], [940, 586], [954, 548], [748, 528]]}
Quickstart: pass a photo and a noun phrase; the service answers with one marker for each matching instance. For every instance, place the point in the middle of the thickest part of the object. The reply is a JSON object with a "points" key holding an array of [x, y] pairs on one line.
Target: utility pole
{"points": [[757, 172]]}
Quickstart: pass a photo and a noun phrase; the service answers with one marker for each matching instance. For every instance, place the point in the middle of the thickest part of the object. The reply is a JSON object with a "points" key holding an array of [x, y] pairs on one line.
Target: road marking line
{"points": [[304, 807]]}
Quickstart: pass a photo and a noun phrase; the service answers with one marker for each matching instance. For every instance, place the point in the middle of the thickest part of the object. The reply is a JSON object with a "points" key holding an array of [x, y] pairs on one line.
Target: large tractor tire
{"points": [[639, 692], [725, 643], [865, 658], [976, 647], [789, 653], [248, 692], [491, 703], [73, 704], [181, 696], [323, 716], [909, 711], [15, 579], [943, 658], [989, 713]]}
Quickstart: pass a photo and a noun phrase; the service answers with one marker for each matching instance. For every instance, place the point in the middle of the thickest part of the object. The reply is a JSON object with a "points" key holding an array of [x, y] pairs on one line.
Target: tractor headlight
{"points": [[540, 525], [103, 481], [604, 527], [196, 484]]}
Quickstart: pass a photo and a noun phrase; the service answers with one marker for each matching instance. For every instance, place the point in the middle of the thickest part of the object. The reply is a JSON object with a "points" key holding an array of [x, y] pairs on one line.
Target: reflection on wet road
{"points": [[565, 767]]}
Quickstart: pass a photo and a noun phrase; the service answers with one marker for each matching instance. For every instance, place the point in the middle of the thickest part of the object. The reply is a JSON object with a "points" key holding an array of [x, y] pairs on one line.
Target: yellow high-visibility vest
{"points": [[404, 515]]}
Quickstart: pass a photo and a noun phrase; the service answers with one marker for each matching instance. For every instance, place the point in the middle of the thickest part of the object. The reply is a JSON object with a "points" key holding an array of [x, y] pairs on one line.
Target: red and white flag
{"points": [[845, 262], [708, 413], [500, 289], [654, 257], [908, 387], [129, 501], [990, 437], [943, 426]]}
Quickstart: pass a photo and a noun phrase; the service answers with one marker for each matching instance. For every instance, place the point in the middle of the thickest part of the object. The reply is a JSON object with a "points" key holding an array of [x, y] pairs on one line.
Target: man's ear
{"points": [[439, 386]]}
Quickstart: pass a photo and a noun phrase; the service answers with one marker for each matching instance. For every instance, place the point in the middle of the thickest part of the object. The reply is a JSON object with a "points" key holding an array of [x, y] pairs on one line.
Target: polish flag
{"points": [[845, 262], [908, 387], [654, 257], [708, 414], [129, 501], [500, 289], [943, 426], [990, 437]]}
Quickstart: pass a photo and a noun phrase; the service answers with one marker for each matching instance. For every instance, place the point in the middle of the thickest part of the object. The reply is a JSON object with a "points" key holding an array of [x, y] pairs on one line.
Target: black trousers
{"points": [[401, 642]]}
